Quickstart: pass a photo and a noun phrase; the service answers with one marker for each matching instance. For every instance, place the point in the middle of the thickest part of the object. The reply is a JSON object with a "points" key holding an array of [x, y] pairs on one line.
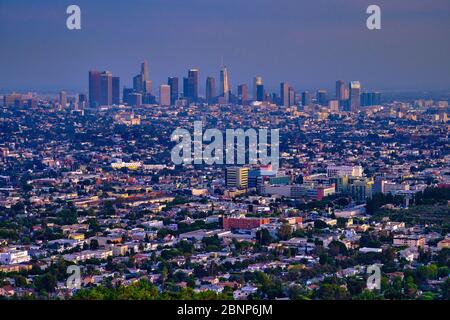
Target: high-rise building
{"points": [[370, 99], [126, 95], [82, 101], [273, 98], [260, 94], [147, 86], [164, 95], [321, 97], [340, 90], [146, 82], [346, 94], [351, 171], [63, 99], [306, 98], [333, 105], [144, 71], [94, 88], [135, 99], [173, 83], [243, 94], [185, 88], [210, 89], [106, 88], [12, 100], [256, 82], [236, 177], [362, 189], [148, 99], [355, 96], [284, 94], [376, 98], [224, 85], [292, 95], [142, 82], [116, 90], [138, 83], [193, 75]]}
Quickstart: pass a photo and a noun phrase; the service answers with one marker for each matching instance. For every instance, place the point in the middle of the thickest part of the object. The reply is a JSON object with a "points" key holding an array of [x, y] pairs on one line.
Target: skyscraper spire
{"points": [[224, 84]]}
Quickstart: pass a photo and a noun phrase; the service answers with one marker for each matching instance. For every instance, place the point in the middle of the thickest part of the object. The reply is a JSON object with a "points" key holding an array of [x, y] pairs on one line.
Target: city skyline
{"points": [[313, 47], [105, 90]]}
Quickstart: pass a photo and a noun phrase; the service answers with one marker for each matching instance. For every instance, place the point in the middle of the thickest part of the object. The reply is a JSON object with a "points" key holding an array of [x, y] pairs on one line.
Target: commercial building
{"points": [[173, 83], [164, 95], [338, 171], [210, 90], [237, 177], [14, 256], [355, 96], [230, 223]]}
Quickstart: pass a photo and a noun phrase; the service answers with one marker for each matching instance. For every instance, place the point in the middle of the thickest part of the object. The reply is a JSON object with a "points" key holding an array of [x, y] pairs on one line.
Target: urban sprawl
{"points": [[87, 180]]}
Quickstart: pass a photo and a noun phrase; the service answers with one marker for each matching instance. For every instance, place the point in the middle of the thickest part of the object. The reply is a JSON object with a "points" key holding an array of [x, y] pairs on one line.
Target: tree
{"points": [[443, 271], [46, 282], [108, 208], [297, 293], [94, 244], [68, 216], [285, 232], [356, 285], [410, 287], [320, 224], [427, 272], [369, 295], [331, 291], [264, 237], [369, 240], [446, 289], [185, 247], [337, 247]]}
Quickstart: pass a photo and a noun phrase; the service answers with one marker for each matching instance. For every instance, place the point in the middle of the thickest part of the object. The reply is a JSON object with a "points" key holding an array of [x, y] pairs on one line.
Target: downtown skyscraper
{"points": [[340, 90], [224, 84], [173, 83], [164, 95], [284, 94], [191, 85], [256, 82], [260, 93], [94, 88], [355, 96], [210, 90], [321, 97], [306, 98], [141, 82], [243, 94], [115, 90], [63, 99], [104, 89]]}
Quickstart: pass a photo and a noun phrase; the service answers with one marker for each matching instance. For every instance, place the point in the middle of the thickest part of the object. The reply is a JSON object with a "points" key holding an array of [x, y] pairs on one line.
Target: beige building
{"points": [[443, 244], [409, 241]]}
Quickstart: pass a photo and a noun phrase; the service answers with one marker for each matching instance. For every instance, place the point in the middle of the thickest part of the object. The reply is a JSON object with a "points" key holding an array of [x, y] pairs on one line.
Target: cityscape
{"points": [[203, 187]]}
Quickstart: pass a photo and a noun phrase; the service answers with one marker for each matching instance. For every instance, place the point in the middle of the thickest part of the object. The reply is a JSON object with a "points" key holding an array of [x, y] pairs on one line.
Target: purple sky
{"points": [[309, 44]]}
